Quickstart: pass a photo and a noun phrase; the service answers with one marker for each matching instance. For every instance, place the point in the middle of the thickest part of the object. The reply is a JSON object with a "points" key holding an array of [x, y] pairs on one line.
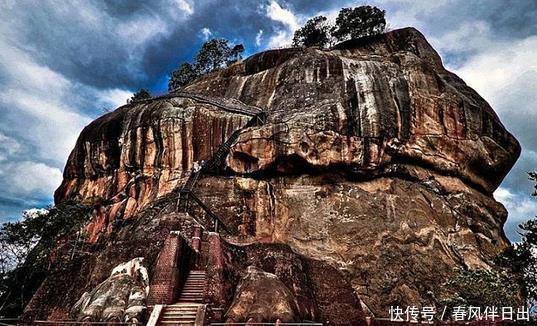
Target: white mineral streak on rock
{"points": [[309, 75]]}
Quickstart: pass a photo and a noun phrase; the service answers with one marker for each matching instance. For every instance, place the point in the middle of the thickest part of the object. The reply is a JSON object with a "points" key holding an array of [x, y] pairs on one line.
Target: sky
{"points": [[64, 63]]}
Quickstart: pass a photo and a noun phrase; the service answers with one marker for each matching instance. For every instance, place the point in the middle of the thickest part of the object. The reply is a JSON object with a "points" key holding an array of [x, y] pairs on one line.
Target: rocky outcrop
{"points": [[261, 296], [374, 170], [136, 154], [120, 298], [362, 106]]}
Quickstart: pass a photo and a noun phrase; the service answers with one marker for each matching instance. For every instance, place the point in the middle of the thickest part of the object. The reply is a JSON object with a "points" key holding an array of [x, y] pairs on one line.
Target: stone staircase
{"points": [[194, 288], [182, 314], [189, 309]]}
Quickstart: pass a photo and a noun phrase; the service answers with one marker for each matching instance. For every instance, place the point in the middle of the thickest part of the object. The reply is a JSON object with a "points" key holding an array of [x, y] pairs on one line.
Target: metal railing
{"points": [[186, 192]]}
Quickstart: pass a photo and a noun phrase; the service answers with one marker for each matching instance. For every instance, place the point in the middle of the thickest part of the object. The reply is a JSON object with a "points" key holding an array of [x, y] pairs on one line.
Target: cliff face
{"points": [[373, 161]]}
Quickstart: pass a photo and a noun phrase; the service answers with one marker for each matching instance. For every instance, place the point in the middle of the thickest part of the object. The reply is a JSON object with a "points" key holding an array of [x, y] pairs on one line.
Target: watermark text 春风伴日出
{"points": [[459, 313]]}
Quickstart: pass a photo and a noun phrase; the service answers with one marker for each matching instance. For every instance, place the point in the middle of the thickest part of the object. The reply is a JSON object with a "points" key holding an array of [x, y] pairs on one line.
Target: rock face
{"points": [[374, 163], [261, 296], [120, 298], [128, 158]]}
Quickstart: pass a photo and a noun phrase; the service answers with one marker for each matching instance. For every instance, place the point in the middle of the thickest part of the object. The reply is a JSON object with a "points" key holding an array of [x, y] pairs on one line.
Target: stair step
{"points": [[176, 311], [168, 317], [172, 322]]}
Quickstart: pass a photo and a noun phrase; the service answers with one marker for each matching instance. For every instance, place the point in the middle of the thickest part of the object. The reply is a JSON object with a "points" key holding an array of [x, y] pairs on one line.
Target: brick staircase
{"points": [[194, 288]]}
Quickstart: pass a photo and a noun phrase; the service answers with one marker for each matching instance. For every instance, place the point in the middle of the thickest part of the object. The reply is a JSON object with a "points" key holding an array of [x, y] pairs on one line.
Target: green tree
{"points": [[235, 54], [142, 94], [524, 257], [316, 32], [181, 77], [358, 22], [483, 288], [213, 55], [27, 249]]}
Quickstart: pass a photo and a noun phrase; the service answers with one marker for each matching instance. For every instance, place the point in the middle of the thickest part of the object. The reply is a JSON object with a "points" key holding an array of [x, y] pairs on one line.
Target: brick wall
{"points": [[172, 267]]}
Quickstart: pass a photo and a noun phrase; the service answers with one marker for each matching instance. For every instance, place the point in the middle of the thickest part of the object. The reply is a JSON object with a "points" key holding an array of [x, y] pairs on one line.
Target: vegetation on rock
{"points": [[350, 23], [316, 32], [215, 54], [142, 94]]}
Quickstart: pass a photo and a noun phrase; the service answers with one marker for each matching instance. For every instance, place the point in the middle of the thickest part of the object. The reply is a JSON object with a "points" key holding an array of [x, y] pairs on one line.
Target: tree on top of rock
{"points": [[142, 94], [186, 74], [316, 32], [215, 54], [235, 54], [359, 22]]}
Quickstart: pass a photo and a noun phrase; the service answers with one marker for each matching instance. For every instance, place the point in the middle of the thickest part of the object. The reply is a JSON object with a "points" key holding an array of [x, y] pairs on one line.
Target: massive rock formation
{"points": [[374, 161]]}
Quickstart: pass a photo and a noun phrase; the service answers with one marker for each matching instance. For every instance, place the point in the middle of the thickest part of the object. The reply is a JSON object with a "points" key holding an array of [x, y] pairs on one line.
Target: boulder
{"points": [[262, 297]]}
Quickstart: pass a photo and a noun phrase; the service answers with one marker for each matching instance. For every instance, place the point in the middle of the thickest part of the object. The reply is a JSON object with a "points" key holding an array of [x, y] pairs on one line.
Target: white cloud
{"points": [[283, 37], [498, 65], [31, 178], [259, 37], [114, 98], [206, 32], [8, 147], [183, 5], [285, 16], [140, 30], [520, 206]]}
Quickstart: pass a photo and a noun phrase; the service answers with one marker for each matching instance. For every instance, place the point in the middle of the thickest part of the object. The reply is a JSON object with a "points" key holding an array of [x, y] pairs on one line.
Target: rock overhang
{"points": [[378, 101]]}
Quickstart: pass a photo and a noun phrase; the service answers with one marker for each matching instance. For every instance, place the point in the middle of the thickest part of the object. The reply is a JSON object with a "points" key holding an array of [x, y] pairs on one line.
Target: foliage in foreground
{"points": [[483, 288], [29, 251]]}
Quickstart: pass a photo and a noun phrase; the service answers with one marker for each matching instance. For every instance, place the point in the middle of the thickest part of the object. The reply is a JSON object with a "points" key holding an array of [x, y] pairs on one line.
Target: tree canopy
{"points": [[316, 32], [142, 94], [359, 22], [213, 55], [350, 23], [28, 250]]}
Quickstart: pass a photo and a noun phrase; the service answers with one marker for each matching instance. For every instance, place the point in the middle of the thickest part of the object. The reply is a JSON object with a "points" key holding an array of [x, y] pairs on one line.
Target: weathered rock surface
{"points": [[134, 155], [261, 296], [120, 298], [362, 106], [375, 164]]}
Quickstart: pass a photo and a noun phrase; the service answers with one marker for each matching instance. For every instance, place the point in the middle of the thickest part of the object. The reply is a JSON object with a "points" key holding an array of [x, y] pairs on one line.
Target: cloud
{"points": [[206, 32], [8, 147], [284, 16], [113, 98], [287, 18], [37, 179], [520, 206], [259, 37], [183, 5]]}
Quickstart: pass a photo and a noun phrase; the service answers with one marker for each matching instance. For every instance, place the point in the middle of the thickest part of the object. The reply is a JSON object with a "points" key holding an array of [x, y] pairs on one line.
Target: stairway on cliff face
{"points": [[194, 288], [189, 309]]}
